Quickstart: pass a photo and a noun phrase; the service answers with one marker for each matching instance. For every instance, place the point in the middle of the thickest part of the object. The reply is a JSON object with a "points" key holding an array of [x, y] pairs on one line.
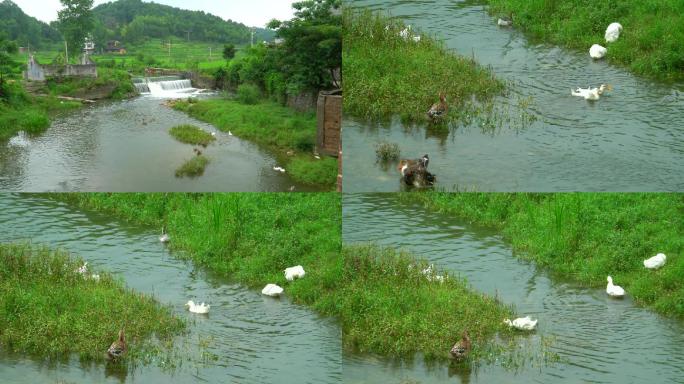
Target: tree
{"points": [[6, 62], [228, 51], [76, 22]]}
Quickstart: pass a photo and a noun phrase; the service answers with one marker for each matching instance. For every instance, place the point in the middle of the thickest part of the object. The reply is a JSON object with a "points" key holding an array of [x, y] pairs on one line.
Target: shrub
{"points": [[248, 94]]}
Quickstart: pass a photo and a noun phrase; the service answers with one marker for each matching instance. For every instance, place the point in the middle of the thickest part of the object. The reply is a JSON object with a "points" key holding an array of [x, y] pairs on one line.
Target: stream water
{"points": [[630, 140], [598, 339], [256, 339], [126, 147]]}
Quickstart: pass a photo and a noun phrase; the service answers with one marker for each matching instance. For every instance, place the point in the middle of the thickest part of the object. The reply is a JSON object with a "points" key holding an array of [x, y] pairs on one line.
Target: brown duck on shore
{"points": [[118, 348], [440, 109], [415, 173], [461, 349]]}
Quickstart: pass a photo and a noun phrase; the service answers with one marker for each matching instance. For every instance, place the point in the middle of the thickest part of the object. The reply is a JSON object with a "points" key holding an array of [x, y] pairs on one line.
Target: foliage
{"points": [[24, 29], [319, 172], [587, 236], [651, 43], [381, 79], [248, 94], [385, 151], [48, 309], [191, 134], [6, 63], [228, 51], [193, 167], [76, 23]]}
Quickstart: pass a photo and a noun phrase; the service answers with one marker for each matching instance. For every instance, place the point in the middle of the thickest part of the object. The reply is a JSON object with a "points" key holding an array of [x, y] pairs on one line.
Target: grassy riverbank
{"points": [[47, 309], [279, 128], [651, 43], [386, 74], [587, 236], [390, 307]]}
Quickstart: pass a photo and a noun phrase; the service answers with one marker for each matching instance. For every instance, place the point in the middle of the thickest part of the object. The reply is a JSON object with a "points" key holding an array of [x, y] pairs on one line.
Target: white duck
{"points": [[614, 290], [504, 23], [164, 238], [405, 33], [431, 276], [522, 323], [591, 93], [272, 290], [296, 272], [197, 308], [655, 262], [613, 32], [279, 169], [83, 269], [597, 52]]}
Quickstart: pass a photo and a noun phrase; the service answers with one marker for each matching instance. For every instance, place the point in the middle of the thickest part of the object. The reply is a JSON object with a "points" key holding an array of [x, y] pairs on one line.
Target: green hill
{"points": [[17, 26]]}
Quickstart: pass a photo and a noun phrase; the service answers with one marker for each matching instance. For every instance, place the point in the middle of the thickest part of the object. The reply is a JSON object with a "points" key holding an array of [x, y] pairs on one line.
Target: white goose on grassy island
{"points": [[655, 262]]}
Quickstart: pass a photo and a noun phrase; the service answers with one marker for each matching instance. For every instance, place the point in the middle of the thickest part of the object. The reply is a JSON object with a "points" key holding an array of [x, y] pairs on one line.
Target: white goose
{"points": [[597, 52], [279, 169], [591, 93], [164, 238], [83, 269], [504, 22], [296, 272], [614, 290], [197, 308], [272, 290], [613, 32], [655, 262], [522, 323]]}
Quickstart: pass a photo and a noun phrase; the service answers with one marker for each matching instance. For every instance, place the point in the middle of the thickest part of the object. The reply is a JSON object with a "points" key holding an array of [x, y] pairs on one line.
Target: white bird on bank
{"points": [[655, 262], [83, 269], [213, 134], [597, 52], [613, 32], [614, 290], [95, 277], [296, 272], [279, 169], [404, 34], [230, 133], [272, 290], [431, 276], [591, 93], [522, 323], [504, 23], [197, 308], [164, 238]]}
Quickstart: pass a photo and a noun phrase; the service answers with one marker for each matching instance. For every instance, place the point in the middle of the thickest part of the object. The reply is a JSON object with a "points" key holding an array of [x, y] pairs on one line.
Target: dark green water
{"points": [[255, 339], [598, 339], [630, 140]]}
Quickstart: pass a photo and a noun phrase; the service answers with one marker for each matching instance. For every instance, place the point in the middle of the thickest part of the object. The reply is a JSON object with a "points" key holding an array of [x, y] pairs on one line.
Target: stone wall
{"points": [[37, 72], [329, 113]]}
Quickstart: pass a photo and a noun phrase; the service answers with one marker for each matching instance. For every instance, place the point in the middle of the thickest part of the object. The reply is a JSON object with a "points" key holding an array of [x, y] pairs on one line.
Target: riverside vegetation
{"points": [[651, 43], [190, 134], [50, 310], [587, 236], [193, 167], [384, 301]]}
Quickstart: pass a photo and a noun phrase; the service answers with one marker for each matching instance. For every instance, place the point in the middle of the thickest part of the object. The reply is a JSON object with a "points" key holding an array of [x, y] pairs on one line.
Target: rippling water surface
{"points": [[257, 339], [599, 340], [630, 140], [125, 146]]}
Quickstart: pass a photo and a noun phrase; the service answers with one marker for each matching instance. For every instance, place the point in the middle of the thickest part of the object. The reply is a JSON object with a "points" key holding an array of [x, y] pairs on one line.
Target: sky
{"points": [[253, 13]]}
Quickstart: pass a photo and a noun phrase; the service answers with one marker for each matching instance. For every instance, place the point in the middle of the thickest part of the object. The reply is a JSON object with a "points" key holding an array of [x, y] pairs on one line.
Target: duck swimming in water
{"points": [[118, 348], [592, 94], [439, 110], [461, 349], [415, 173]]}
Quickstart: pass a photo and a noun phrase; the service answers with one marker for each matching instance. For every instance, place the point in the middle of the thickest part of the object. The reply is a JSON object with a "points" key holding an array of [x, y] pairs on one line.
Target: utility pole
{"points": [[188, 32], [253, 32], [209, 53], [169, 47], [66, 53]]}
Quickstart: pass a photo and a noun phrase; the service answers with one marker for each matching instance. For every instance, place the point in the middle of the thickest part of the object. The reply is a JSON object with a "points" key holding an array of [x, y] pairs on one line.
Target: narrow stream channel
{"points": [[630, 140], [256, 339], [598, 339], [125, 146]]}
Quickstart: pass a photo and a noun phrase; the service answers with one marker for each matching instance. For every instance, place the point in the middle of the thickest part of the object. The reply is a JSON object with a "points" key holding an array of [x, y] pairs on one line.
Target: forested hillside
{"points": [[15, 25]]}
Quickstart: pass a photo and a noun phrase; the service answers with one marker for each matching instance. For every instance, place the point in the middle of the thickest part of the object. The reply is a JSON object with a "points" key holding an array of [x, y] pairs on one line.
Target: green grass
{"points": [[191, 134], [279, 128], [386, 75], [193, 167], [388, 306], [47, 309], [116, 82], [587, 236], [650, 44]]}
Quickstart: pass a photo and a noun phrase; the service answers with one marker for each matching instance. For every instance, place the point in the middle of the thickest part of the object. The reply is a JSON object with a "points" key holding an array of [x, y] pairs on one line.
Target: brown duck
{"points": [[118, 348], [440, 109], [461, 349], [415, 173]]}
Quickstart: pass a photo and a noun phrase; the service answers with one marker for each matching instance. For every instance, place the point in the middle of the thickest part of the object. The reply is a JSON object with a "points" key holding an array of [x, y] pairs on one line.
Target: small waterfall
{"points": [[163, 86], [142, 87]]}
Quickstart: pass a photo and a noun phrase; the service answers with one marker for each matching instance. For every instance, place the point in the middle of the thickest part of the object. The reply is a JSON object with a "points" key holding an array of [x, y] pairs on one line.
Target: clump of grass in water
{"points": [[385, 151], [193, 167], [47, 309], [190, 134]]}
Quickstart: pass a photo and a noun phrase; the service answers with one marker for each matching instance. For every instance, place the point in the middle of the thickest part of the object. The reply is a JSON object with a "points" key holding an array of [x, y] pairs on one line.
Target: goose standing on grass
{"points": [[296, 272], [655, 262], [439, 110], [197, 308], [272, 290], [592, 94], [461, 349], [118, 348], [522, 323], [613, 32], [597, 52], [164, 238], [614, 290]]}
